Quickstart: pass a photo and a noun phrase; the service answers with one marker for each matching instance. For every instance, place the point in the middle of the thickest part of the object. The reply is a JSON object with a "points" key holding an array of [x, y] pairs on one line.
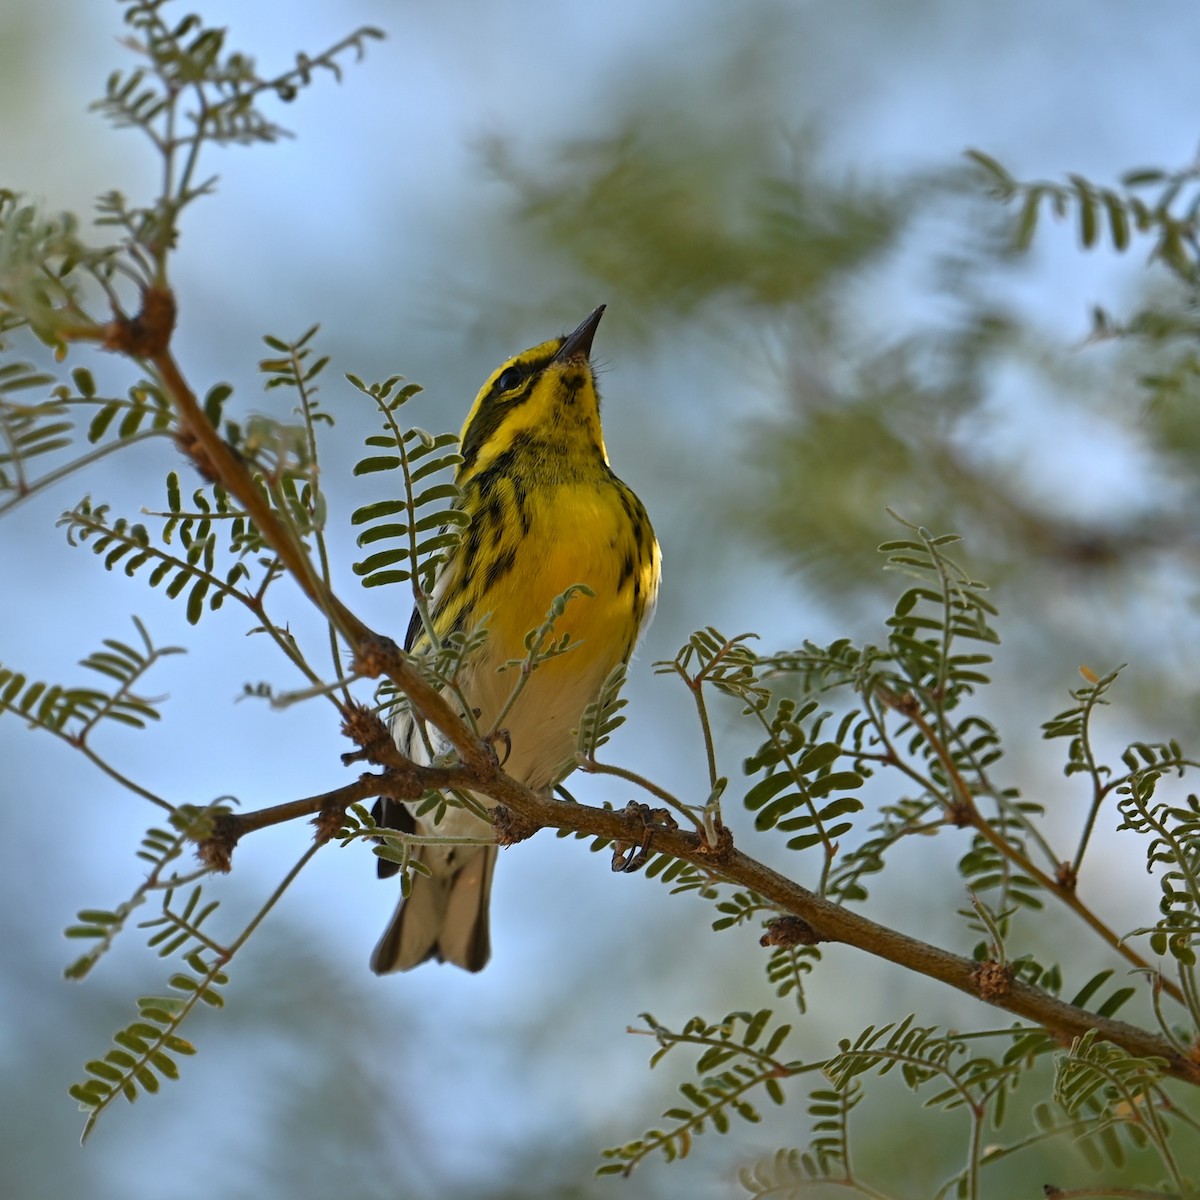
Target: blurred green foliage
{"points": [[902, 366]]}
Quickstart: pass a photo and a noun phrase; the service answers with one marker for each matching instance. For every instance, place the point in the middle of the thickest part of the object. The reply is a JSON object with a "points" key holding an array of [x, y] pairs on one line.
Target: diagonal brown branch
{"points": [[146, 337], [832, 922], [828, 921]]}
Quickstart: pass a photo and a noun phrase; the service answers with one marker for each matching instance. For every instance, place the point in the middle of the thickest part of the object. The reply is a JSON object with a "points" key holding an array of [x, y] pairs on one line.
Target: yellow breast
{"points": [[585, 537]]}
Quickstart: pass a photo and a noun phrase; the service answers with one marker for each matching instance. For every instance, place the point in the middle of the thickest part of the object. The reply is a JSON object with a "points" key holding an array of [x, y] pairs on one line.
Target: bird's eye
{"points": [[509, 379]]}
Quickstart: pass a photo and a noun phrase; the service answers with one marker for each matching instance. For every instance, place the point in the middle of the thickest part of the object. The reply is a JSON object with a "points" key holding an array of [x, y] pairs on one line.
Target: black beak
{"points": [[579, 343]]}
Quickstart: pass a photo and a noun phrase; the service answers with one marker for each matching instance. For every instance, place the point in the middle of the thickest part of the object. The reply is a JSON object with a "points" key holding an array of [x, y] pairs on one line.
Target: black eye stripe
{"points": [[509, 379], [492, 414], [502, 398], [514, 376]]}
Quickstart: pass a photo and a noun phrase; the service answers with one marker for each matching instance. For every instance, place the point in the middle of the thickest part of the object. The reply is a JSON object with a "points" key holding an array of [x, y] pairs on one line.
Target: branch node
{"points": [[789, 930], [992, 979], [905, 703], [719, 851], [147, 335], [216, 850], [329, 822], [1066, 876], [374, 655], [510, 827], [408, 780], [188, 443], [959, 815]]}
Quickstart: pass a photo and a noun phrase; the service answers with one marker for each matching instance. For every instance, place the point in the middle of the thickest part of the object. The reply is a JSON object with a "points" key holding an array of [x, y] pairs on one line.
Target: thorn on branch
{"points": [[788, 930], [992, 979], [643, 821], [1066, 876], [147, 335], [511, 828]]}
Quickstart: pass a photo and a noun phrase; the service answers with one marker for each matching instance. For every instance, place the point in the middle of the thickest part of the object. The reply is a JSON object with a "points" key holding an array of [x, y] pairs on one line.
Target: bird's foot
{"points": [[643, 820]]}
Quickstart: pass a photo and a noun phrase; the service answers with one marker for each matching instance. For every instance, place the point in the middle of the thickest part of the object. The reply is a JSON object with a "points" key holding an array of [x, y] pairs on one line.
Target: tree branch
{"points": [[828, 921], [832, 922]]}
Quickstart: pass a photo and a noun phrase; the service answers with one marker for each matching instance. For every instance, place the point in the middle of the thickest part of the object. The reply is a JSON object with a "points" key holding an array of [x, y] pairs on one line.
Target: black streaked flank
{"points": [[626, 570], [500, 566], [521, 497]]}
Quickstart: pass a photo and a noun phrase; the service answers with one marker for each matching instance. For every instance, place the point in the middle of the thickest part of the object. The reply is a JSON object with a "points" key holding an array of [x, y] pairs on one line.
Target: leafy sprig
{"points": [[160, 848], [44, 429], [737, 1058], [1122, 1094], [145, 1051], [431, 521], [74, 713], [792, 1172]]}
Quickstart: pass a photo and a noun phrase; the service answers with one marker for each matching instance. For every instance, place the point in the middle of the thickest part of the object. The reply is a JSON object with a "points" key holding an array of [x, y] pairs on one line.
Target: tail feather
{"points": [[445, 916], [391, 814]]}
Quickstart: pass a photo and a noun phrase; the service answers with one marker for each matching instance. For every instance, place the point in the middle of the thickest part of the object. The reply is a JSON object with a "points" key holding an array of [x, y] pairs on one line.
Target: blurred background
{"points": [[813, 314]]}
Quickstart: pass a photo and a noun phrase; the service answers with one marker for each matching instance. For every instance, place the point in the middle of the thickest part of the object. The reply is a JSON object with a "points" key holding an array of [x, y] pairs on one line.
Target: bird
{"points": [[546, 512]]}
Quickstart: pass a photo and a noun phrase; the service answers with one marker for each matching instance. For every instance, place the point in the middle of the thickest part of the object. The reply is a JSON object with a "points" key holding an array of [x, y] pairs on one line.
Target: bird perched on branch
{"points": [[546, 513]]}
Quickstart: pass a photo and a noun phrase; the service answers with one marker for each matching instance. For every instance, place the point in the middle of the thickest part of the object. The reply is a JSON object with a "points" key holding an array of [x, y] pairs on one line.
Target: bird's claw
{"points": [[632, 856]]}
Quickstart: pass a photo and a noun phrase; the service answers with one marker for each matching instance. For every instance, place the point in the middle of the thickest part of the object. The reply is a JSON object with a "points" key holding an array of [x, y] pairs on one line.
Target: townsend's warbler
{"points": [[546, 512]]}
